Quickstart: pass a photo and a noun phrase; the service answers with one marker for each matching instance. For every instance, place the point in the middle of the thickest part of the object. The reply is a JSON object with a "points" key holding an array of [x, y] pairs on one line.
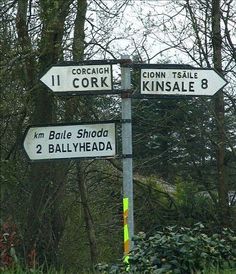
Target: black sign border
{"points": [[116, 122], [139, 95], [112, 91]]}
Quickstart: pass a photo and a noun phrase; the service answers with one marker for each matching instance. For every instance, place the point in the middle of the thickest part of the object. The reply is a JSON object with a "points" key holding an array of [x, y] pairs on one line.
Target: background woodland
{"points": [[69, 213]]}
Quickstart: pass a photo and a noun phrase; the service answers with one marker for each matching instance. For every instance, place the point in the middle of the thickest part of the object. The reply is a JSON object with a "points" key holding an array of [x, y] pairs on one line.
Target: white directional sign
{"points": [[79, 78], [71, 141], [194, 82]]}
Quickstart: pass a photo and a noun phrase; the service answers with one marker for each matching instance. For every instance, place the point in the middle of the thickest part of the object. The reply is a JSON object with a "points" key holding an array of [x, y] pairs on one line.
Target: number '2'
{"points": [[39, 149]]}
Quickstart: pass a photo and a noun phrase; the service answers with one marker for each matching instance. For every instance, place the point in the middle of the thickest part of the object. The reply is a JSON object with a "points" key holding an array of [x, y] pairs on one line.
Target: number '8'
{"points": [[204, 84]]}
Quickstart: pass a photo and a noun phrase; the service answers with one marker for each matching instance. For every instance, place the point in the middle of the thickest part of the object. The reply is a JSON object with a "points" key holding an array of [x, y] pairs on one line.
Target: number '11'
{"points": [[55, 80]]}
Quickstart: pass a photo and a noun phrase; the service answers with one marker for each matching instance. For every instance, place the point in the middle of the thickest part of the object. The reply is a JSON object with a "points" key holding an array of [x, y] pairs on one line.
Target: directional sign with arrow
{"points": [[70, 141], [169, 81], [79, 78]]}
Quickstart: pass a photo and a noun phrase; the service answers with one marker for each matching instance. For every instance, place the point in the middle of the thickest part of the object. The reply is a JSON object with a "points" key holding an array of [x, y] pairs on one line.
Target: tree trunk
{"points": [[220, 119], [44, 226], [78, 55], [87, 215]]}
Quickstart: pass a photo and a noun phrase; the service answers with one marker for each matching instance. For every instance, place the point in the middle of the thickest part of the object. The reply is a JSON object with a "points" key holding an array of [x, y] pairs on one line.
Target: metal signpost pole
{"points": [[127, 156]]}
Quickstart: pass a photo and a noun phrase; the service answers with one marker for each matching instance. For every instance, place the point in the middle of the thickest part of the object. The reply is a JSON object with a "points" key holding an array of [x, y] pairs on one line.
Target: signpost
{"points": [[128, 210], [79, 78], [70, 141], [190, 81], [95, 140]]}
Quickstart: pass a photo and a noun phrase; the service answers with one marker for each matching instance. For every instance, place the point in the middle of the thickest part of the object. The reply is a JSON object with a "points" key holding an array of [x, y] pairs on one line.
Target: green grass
{"points": [[19, 270], [226, 271]]}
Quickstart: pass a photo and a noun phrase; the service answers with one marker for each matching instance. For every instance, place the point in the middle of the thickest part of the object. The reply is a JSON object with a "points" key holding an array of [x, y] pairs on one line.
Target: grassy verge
{"points": [[215, 271], [19, 270]]}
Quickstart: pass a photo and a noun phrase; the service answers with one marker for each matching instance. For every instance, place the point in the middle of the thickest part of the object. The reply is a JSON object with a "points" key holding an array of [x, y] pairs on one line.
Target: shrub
{"points": [[8, 242], [181, 251]]}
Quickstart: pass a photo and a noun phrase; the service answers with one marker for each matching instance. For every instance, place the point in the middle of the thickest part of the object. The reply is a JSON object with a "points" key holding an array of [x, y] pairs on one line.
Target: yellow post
{"points": [[126, 229]]}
